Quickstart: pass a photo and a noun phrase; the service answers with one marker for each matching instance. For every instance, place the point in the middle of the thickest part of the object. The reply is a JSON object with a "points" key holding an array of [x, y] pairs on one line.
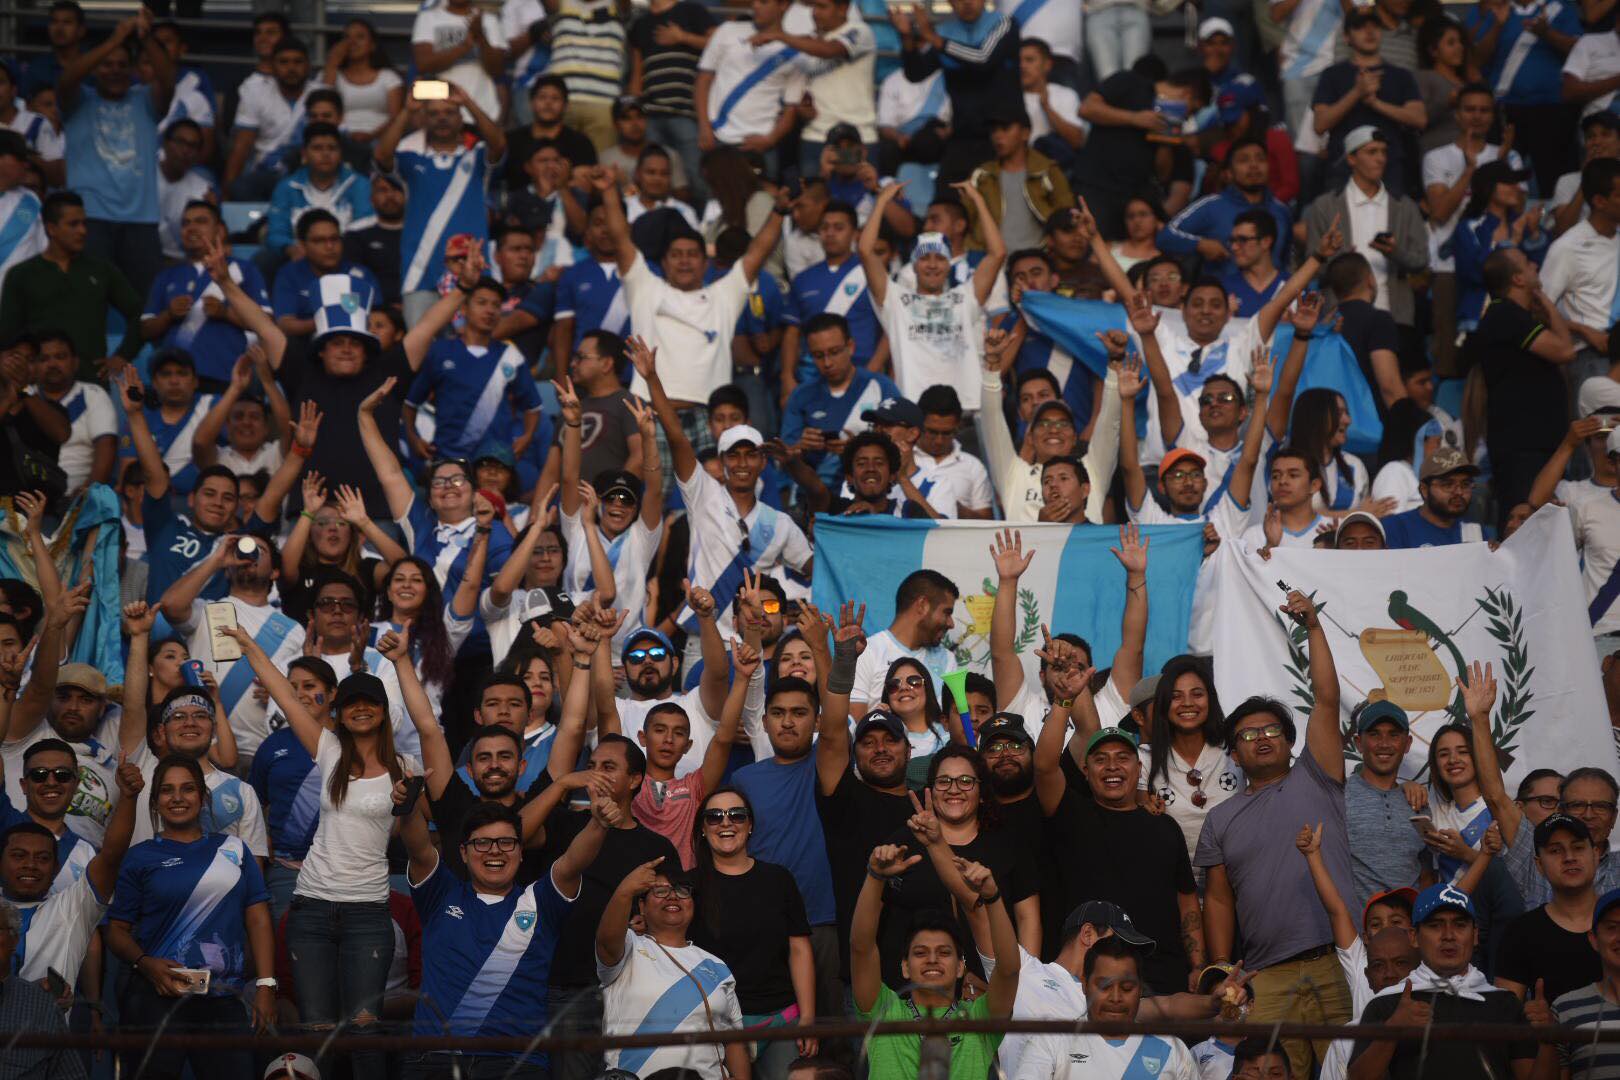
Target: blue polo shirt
{"points": [[289, 788], [478, 392], [214, 344], [1413, 530]]}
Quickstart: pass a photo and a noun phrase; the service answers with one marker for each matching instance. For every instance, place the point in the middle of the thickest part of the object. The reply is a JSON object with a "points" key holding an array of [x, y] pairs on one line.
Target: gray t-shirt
{"points": [[1252, 835], [1385, 850], [604, 436], [1019, 229]]}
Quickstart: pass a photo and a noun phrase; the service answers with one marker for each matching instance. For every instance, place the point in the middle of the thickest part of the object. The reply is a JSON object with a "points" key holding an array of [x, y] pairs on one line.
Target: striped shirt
{"points": [[1587, 1007], [587, 49], [668, 71]]}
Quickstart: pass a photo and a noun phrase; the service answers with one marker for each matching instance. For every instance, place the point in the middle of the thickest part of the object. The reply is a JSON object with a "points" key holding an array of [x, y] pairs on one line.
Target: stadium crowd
{"points": [[463, 418]]}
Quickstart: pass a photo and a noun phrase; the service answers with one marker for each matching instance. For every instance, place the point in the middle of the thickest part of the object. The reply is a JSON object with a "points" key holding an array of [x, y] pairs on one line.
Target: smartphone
{"points": [[137, 393], [218, 615], [1384, 237], [55, 985], [847, 155], [413, 789], [430, 90], [1422, 823], [832, 434], [191, 672], [196, 978]]}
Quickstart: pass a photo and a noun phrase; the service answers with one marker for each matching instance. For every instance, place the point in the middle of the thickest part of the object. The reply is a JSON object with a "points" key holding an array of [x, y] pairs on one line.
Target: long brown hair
{"points": [[349, 755], [309, 560], [732, 181], [187, 765]]}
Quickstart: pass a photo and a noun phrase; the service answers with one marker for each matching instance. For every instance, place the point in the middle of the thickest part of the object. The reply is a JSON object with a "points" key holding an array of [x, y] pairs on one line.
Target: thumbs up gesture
{"points": [[1410, 1011], [1537, 1009]]}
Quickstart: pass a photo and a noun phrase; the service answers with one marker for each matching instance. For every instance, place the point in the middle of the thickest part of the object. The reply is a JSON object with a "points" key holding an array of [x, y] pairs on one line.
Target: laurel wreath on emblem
{"points": [[1028, 632]]}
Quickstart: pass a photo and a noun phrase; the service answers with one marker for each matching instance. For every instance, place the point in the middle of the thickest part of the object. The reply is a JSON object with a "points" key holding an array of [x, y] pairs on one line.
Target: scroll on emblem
{"points": [[1411, 673]]}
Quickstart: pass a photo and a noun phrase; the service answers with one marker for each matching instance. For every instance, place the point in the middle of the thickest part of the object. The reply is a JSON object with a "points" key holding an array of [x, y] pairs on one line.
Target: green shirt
{"points": [[39, 296], [894, 1057]]}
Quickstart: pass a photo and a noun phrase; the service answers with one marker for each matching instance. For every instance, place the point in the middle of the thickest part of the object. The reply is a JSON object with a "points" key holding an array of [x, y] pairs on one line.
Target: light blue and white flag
{"points": [[1073, 584], [1331, 363], [1074, 325]]}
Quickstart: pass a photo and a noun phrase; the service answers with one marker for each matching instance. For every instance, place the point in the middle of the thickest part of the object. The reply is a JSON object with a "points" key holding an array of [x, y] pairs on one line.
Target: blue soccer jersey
{"points": [[444, 197], [838, 291], [478, 393], [289, 789]]}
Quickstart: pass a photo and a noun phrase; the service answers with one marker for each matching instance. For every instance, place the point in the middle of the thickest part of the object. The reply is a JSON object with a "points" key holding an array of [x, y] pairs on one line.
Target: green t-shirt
{"points": [[894, 1057]]}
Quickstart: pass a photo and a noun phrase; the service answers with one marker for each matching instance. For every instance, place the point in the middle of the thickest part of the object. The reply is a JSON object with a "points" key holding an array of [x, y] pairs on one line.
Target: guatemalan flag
{"points": [[1073, 584]]}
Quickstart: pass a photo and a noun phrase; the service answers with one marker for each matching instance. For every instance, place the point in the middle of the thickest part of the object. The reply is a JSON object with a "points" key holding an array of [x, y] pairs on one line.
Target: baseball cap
{"points": [[646, 633], [1358, 515], [1360, 16], [296, 1065], [1360, 137], [1004, 725], [742, 433], [1605, 902], [1102, 735], [931, 243], [624, 103], [1377, 712], [84, 677], [1176, 457], [892, 410], [362, 685], [1106, 916], [1240, 95], [1447, 459], [1612, 445], [842, 133], [496, 451], [1600, 119], [1406, 893], [1210, 27], [1492, 173], [1440, 897], [1143, 692], [1052, 405], [1561, 822], [617, 481], [884, 719]]}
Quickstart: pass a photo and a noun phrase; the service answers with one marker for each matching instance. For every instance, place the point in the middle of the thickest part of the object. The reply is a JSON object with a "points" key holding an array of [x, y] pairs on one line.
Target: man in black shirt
{"points": [[1118, 159], [548, 97], [1369, 330], [1521, 345], [376, 246], [977, 50], [1546, 951], [1447, 989], [1365, 91]]}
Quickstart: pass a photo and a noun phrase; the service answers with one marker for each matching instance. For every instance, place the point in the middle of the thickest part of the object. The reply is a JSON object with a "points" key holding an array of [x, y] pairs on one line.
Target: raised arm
{"points": [[436, 760], [137, 626], [178, 598], [1479, 697], [1007, 552], [877, 274], [652, 470], [745, 659], [352, 505], [888, 861], [1306, 313], [390, 135], [127, 387], [304, 433], [765, 241], [995, 248], [305, 727], [205, 442], [1545, 488], [420, 337], [1322, 737], [1309, 843], [75, 71], [680, 447], [30, 707], [615, 920], [252, 317], [423, 856], [396, 488], [716, 664], [832, 727], [103, 869], [1254, 436], [1050, 783], [1132, 554], [624, 249], [1330, 244], [569, 869]]}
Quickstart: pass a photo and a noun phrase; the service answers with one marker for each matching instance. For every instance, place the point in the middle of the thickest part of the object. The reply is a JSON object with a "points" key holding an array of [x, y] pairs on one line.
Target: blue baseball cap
{"points": [[1377, 712], [1438, 897], [644, 634], [1605, 902], [1240, 95]]}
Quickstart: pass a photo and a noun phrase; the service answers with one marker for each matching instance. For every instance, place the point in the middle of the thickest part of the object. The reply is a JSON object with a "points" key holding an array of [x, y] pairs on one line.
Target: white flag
{"points": [[1402, 623]]}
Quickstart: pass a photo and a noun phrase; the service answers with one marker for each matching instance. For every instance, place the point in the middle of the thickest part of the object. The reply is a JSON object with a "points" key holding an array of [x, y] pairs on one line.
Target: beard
{"points": [[1012, 783]]}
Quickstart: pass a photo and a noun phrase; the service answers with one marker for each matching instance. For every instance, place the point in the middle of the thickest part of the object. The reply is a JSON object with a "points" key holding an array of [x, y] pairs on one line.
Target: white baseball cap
{"points": [[742, 433], [1212, 26], [294, 1065], [1360, 137]]}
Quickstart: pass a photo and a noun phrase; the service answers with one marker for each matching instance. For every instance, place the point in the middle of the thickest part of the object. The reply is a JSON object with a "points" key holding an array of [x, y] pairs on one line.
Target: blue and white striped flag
{"points": [[1073, 584], [1074, 325]]}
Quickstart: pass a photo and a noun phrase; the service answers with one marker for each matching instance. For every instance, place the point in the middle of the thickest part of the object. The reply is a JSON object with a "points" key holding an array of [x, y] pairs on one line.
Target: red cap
{"points": [[495, 500]]}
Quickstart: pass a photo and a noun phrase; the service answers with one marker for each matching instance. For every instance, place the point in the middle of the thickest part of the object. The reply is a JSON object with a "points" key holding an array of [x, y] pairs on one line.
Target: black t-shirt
{"points": [[755, 947], [1025, 826], [297, 595], [919, 889], [1134, 859], [451, 808], [377, 249], [576, 149], [622, 851], [31, 436], [1534, 947], [1367, 328], [669, 71], [1527, 403], [1119, 158], [339, 455], [1453, 1059], [856, 818], [1396, 86]]}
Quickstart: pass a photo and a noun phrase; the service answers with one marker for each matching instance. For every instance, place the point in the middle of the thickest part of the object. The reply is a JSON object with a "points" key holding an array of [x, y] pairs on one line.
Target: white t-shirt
{"points": [[93, 803], [348, 859], [842, 88], [751, 85], [635, 207], [633, 718], [1221, 780], [1353, 962], [935, 339], [1254, 537], [1397, 480], [1093, 1057], [639, 994], [1215, 1059], [276, 633], [1228, 517], [1568, 186], [1580, 272], [266, 457], [630, 554], [1045, 992], [274, 120], [774, 541], [1594, 57], [444, 29], [93, 416], [1597, 534], [365, 105], [58, 934], [172, 199], [906, 106], [1444, 165], [967, 471], [692, 331], [503, 624], [1056, 24], [1333, 477], [233, 798], [883, 649], [1065, 102]]}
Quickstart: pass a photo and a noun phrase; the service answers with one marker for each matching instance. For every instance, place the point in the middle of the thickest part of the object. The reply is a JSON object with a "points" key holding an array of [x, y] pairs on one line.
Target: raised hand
{"points": [[1007, 552], [309, 423], [1129, 373], [849, 626], [1144, 319], [1307, 312], [1272, 526], [314, 491], [129, 778], [130, 394], [352, 505], [1260, 370], [1478, 690], [998, 351], [590, 504], [744, 659], [138, 618], [1298, 607], [1132, 552], [890, 861], [567, 399], [483, 510], [370, 402], [1309, 840], [1411, 1012], [395, 645], [32, 505], [923, 824], [1331, 243], [642, 358], [642, 413], [978, 877], [641, 878]]}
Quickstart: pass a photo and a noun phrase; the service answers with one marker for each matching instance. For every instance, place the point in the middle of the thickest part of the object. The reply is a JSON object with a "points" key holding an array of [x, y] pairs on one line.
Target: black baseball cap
{"points": [[361, 686], [618, 480], [623, 104], [1004, 725], [895, 411], [1561, 822], [843, 133], [1107, 916], [881, 719]]}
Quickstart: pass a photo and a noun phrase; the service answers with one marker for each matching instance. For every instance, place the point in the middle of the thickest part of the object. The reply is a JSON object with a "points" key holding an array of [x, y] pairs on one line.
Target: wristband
{"points": [[299, 449], [306, 514], [586, 666], [986, 901], [1064, 703], [573, 423], [266, 983], [841, 679]]}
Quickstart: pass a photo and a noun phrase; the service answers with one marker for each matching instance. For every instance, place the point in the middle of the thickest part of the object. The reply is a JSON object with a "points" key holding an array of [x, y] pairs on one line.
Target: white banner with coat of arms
{"points": [[1402, 623]]}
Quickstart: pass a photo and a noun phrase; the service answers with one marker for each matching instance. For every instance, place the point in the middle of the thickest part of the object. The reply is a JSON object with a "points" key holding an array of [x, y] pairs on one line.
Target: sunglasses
{"points": [[736, 815], [1196, 776], [622, 497], [1226, 398], [664, 892], [61, 774], [641, 656], [485, 844], [910, 682]]}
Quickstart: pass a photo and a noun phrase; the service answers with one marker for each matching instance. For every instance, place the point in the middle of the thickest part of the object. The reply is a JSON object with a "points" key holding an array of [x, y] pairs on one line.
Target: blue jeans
{"points": [[679, 135], [280, 880], [1116, 38], [341, 953]]}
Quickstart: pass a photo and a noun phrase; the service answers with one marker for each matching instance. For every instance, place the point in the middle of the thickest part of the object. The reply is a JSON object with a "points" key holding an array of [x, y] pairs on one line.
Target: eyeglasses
{"points": [[439, 483], [1270, 731], [333, 603], [1056, 423], [1225, 398], [910, 682], [664, 892], [955, 783], [1586, 806], [330, 522], [61, 774], [1182, 476], [1003, 746], [485, 844], [828, 354], [641, 656], [736, 815], [1545, 802]]}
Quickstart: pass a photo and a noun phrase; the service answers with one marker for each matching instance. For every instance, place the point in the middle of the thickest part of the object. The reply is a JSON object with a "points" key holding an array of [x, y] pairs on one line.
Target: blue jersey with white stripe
{"points": [[478, 392], [592, 294], [1524, 69], [186, 902], [445, 196], [174, 544], [289, 789], [813, 405], [73, 852], [841, 290], [486, 967], [214, 344], [298, 288], [1075, 379], [444, 547]]}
